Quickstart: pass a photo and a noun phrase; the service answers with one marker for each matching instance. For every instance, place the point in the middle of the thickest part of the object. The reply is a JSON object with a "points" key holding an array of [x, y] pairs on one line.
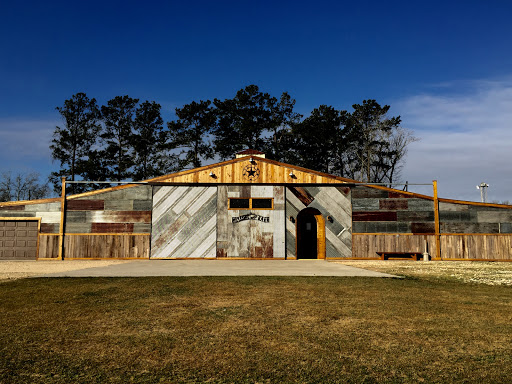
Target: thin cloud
{"points": [[24, 140], [465, 139]]}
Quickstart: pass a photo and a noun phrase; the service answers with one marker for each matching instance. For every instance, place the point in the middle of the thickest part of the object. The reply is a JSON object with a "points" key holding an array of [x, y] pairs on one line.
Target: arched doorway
{"points": [[310, 234]]}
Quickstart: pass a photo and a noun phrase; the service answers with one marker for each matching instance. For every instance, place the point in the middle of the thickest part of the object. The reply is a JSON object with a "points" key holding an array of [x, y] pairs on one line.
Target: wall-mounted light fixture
{"points": [[212, 174], [291, 174], [292, 219], [251, 160], [330, 219]]}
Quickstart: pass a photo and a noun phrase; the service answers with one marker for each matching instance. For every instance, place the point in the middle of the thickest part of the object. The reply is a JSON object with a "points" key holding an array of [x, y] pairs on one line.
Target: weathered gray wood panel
{"points": [[468, 218], [184, 222], [251, 238]]}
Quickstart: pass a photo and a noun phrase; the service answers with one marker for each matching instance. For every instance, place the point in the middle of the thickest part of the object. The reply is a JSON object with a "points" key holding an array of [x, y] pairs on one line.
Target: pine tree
{"points": [[72, 142], [118, 118], [190, 133]]}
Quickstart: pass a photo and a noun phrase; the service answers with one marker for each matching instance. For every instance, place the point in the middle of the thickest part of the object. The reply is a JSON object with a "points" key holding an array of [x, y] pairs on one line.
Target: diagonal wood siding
{"points": [[184, 222], [330, 201]]}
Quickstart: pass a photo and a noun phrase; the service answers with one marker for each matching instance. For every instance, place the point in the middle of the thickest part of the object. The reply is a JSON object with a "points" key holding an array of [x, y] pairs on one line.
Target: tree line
{"points": [[128, 140]]}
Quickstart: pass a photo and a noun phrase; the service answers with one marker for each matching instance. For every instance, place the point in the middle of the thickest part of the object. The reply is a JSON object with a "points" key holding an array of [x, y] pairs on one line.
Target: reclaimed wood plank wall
{"points": [[469, 218], [384, 211], [476, 247], [330, 201], [366, 246], [126, 210], [184, 222], [114, 223], [453, 247], [49, 213], [127, 246], [48, 246], [250, 238], [467, 231]]}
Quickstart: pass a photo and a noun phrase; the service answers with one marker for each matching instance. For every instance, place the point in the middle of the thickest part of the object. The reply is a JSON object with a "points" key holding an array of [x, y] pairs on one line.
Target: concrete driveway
{"points": [[138, 268]]}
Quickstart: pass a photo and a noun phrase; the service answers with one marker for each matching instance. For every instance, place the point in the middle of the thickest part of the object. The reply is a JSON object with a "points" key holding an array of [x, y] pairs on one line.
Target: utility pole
{"points": [[483, 191]]}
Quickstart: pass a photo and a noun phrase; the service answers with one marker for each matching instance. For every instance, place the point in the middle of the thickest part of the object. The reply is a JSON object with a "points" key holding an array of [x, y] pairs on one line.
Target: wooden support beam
{"points": [[436, 218], [62, 215]]}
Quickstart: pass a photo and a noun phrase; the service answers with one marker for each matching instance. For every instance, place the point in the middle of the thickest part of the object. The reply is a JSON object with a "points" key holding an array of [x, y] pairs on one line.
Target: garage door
{"points": [[18, 240]]}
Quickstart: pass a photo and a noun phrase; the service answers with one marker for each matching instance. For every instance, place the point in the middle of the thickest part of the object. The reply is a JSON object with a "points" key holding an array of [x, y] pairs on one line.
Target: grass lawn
{"points": [[254, 329]]}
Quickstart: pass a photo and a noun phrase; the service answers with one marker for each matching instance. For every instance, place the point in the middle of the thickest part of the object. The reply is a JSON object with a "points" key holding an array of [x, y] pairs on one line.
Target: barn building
{"points": [[252, 208]]}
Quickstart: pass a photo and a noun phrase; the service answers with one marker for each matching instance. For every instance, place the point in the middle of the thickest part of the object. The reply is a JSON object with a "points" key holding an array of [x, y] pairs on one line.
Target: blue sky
{"points": [[444, 66]]}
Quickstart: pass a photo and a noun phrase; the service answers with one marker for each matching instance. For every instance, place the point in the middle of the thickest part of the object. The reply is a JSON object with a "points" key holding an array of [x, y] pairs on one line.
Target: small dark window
{"points": [[239, 203], [262, 203]]}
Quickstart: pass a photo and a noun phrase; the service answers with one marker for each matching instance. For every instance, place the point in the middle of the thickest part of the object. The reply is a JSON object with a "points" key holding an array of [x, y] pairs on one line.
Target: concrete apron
{"points": [[140, 268]]}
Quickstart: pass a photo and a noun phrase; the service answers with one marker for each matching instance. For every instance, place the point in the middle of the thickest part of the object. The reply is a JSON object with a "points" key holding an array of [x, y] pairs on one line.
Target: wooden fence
{"points": [[491, 247]]}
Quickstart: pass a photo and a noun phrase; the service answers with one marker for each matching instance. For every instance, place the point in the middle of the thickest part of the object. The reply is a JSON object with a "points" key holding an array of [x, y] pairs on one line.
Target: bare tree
{"points": [[22, 187], [377, 144], [399, 141]]}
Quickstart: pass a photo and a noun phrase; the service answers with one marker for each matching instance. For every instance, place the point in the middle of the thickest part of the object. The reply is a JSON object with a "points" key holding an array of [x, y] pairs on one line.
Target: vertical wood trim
{"points": [[38, 231], [320, 237], [436, 218], [62, 214]]}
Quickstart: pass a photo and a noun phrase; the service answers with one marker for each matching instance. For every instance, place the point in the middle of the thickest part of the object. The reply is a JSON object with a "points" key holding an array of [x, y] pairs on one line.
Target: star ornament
{"points": [[251, 172]]}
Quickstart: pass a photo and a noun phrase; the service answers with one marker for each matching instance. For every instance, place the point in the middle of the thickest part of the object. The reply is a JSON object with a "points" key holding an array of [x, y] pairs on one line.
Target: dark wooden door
{"points": [[307, 236]]}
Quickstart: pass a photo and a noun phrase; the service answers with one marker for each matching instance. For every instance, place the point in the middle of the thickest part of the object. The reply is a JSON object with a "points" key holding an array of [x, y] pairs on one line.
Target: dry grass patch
{"points": [[480, 272], [253, 329]]}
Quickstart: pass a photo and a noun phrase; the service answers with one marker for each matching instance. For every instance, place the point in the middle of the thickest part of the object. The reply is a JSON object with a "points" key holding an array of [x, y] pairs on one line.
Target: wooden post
{"points": [[436, 218], [62, 215]]}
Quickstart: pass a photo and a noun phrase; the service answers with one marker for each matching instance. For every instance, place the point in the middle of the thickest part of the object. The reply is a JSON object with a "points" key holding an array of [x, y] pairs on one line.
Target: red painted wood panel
{"points": [[12, 208], [112, 228], [85, 205], [302, 194], [423, 227], [49, 228], [344, 190], [374, 216], [398, 195]]}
